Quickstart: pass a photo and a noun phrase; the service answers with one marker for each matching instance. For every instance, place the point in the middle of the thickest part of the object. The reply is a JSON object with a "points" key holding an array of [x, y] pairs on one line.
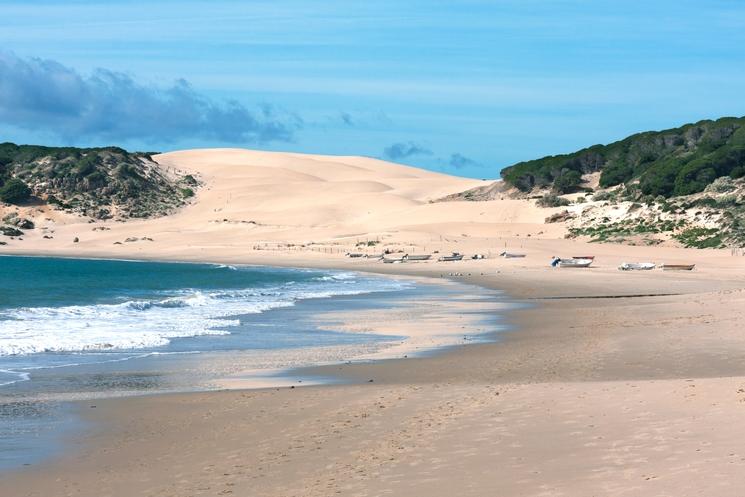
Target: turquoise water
{"points": [[53, 309], [74, 329]]}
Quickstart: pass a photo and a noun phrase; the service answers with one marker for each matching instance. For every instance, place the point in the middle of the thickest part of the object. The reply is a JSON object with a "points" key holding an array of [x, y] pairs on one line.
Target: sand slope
{"points": [[250, 197]]}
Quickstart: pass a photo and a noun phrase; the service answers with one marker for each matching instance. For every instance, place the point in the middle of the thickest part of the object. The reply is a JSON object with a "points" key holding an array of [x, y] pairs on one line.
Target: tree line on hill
{"points": [[674, 162]]}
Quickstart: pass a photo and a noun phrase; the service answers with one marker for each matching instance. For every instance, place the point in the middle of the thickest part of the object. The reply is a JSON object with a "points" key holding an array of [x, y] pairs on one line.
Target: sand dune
{"points": [[252, 197]]}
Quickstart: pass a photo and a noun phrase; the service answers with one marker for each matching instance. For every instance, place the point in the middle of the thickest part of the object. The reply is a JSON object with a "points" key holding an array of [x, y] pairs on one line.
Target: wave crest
{"points": [[152, 323]]}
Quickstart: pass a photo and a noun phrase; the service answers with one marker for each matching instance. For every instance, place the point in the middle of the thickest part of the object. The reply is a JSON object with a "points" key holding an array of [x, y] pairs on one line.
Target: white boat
{"points": [[422, 257], [511, 255], [637, 266], [395, 260], [448, 258], [574, 262]]}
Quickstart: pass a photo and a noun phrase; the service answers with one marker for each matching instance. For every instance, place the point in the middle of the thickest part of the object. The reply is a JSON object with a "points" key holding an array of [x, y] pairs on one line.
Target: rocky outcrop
{"points": [[559, 217], [19, 222], [10, 231]]}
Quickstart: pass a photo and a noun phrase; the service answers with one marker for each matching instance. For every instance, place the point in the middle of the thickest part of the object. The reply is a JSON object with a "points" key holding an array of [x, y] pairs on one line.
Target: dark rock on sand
{"points": [[10, 231]]}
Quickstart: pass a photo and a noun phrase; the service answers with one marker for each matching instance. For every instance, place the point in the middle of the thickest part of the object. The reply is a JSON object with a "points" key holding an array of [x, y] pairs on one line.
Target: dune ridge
{"points": [[249, 197]]}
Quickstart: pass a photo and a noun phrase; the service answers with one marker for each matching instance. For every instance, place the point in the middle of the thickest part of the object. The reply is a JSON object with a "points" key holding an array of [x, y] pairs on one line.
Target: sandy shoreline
{"points": [[612, 383]]}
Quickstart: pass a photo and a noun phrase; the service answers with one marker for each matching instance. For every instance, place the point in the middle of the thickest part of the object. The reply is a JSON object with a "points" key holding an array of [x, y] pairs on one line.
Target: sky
{"points": [[463, 87]]}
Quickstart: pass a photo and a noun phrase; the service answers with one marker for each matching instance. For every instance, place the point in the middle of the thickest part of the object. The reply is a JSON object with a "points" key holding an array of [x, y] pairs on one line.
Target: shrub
{"points": [[616, 174], [727, 201], [700, 238], [721, 185], [15, 191], [606, 195], [694, 177], [568, 182], [550, 200]]}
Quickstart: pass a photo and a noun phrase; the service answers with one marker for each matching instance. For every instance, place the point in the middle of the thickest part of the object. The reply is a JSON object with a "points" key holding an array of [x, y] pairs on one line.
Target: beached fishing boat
{"points": [[449, 258], [419, 257], [637, 266], [387, 260], [678, 267], [511, 255], [355, 255], [556, 262], [591, 257]]}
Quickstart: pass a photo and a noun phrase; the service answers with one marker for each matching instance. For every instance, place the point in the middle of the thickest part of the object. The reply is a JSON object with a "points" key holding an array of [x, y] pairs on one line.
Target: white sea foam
{"points": [[8, 377], [142, 324]]}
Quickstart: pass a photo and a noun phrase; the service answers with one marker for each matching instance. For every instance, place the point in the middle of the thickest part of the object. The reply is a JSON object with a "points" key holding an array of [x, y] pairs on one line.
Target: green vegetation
{"points": [[674, 162], [95, 182], [190, 180], [604, 195], [14, 191], [700, 238], [550, 200], [368, 243], [617, 231], [567, 181]]}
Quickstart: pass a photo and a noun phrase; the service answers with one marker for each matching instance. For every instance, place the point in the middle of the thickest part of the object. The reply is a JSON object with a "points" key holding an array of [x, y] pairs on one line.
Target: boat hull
{"points": [[678, 267], [508, 255], [419, 257], [574, 263], [637, 266]]}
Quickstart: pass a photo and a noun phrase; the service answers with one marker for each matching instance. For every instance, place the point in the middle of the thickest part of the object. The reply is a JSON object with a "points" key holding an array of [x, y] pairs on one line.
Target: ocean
{"points": [[55, 312], [78, 329]]}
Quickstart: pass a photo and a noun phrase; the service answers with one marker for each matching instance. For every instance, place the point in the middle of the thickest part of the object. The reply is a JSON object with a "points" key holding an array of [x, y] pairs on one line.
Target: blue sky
{"points": [[465, 87]]}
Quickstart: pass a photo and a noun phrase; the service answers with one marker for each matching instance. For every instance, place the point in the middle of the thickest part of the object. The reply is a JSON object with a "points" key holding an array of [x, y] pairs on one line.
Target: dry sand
{"points": [[638, 395]]}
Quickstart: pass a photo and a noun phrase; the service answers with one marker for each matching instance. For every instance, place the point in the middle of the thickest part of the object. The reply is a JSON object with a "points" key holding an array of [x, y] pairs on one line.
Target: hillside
{"points": [[674, 162], [101, 183]]}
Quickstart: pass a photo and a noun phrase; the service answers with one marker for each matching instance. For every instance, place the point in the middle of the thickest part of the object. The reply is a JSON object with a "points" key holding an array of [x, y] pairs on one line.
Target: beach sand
{"points": [[608, 383]]}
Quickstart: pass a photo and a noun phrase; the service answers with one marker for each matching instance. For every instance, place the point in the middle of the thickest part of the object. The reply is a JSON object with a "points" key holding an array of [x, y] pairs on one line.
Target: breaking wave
{"points": [[154, 322]]}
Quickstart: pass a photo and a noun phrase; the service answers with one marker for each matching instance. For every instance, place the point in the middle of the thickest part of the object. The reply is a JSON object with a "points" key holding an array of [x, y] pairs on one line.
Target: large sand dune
{"points": [[269, 200]]}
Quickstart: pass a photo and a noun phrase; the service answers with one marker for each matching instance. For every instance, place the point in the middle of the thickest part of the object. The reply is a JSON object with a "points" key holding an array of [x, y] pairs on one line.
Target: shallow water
{"points": [[83, 329], [72, 329]]}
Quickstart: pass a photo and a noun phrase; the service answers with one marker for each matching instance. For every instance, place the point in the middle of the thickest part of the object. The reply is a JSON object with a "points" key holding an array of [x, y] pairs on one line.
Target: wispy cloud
{"points": [[346, 118], [46, 95], [460, 161], [404, 150]]}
